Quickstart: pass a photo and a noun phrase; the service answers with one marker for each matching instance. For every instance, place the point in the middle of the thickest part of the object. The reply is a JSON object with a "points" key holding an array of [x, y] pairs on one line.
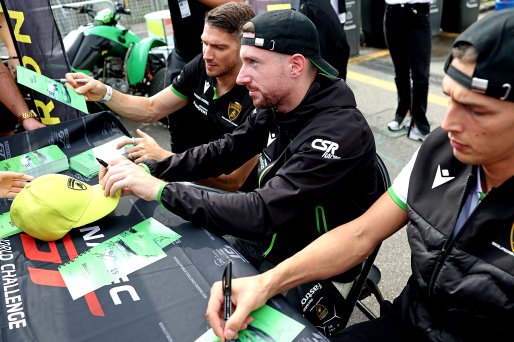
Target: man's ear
{"points": [[297, 65]]}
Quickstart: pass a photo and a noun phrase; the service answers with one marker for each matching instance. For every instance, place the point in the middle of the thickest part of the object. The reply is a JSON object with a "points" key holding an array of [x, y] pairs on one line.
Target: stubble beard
{"points": [[225, 70]]}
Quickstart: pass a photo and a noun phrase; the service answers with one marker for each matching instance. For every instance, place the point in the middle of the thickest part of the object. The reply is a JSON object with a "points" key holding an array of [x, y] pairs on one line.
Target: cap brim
{"points": [[99, 206], [324, 67]]}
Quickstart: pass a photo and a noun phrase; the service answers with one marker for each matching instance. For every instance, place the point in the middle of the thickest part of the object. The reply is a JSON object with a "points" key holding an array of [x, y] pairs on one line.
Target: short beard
{"points": [[228, 69]]}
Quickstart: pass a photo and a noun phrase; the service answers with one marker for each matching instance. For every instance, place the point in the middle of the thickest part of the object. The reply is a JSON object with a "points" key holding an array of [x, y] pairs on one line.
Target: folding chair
{"points": [[366, 283]]}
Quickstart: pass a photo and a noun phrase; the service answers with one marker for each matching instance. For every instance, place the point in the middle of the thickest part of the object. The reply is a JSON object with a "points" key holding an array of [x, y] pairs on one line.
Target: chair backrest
{"points": [[383, 183]]}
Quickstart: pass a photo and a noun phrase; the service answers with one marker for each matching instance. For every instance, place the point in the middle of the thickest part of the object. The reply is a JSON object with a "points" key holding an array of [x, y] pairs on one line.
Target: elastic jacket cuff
{"points": [[159, 193], [144, 166]]}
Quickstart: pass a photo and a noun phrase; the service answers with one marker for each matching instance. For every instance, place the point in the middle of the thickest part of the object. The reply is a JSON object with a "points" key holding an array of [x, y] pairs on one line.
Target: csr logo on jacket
{"points": [[328, 147]]}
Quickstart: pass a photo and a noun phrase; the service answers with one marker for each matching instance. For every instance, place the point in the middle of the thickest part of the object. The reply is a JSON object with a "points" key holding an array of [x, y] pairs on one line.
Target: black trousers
{"points": [[386, 328], [408, 36]]}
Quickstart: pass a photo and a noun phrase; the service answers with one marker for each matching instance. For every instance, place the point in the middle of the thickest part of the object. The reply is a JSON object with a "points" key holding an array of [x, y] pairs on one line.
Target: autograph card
{"points": [[268, 325], [49, 87], [7, 228], [116, 257], [162, 235]]}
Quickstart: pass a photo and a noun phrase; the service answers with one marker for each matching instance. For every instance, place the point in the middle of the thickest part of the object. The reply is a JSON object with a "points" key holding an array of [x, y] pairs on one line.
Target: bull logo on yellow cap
{"points": [[234, 109], [74, 184]]}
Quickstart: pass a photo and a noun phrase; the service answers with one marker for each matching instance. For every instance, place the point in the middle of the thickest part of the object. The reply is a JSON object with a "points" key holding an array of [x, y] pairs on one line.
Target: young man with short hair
{"points": [[206, 88]]}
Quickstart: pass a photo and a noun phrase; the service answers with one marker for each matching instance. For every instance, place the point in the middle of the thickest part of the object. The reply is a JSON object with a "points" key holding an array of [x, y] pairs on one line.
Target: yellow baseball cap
{"points": [[51, 205]]}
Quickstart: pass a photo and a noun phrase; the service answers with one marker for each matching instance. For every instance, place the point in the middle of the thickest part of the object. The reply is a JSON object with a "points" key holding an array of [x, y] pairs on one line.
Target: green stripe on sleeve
{"points": [[179, 94], [159, 194], [396, 199], [265, 254], [145, 167]]}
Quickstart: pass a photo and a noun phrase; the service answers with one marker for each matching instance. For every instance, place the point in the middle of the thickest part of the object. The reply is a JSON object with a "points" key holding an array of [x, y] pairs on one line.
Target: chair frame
{"points": [[364, 285]]}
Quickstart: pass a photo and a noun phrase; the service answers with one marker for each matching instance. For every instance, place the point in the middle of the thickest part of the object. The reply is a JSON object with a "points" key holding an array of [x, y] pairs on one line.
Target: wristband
{"points": [[107, 96]]}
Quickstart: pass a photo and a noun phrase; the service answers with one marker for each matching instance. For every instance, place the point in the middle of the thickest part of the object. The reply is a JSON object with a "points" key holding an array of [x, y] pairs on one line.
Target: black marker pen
{"points": [[103, 163], [227, 291]]}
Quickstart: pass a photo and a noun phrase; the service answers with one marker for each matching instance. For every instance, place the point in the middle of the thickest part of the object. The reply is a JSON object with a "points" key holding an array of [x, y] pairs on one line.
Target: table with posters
{"points": [[164, 301]]}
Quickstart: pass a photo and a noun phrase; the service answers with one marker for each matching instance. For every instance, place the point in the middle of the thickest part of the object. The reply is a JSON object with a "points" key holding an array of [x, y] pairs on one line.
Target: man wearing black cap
{"points": [[317, 164], [455, 195]]}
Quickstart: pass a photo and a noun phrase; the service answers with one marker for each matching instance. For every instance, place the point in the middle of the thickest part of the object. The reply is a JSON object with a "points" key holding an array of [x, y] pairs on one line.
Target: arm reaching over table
{"points": [[12, 182]]}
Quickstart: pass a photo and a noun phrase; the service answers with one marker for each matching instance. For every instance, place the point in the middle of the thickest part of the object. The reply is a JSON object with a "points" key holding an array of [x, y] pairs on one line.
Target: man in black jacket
{"points": [[456, 196], [317, 154]]}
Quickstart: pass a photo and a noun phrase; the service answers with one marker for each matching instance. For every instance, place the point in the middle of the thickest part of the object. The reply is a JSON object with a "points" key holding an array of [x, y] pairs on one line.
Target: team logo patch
{"points": [[328, 148], [74, 184], [321, 311], [234, 109], [441, 176]]}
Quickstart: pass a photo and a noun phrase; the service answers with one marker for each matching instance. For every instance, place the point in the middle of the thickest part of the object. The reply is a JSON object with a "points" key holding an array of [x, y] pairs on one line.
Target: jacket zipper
{"points": [[447, 245], [264, 173]]}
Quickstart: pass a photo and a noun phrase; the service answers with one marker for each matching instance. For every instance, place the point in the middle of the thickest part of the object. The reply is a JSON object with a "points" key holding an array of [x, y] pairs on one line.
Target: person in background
{"points": [[5, 36], [455, 195], [187, 18], [11, 99], [409, 39], [206, 88], [332, 38], [13, 107], [11, 183], [340, 8]]}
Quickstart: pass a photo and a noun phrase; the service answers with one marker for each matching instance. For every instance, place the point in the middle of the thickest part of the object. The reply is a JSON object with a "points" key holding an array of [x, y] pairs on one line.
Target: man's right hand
{"points": [[129, 178], [248, 294], [93, 90]]}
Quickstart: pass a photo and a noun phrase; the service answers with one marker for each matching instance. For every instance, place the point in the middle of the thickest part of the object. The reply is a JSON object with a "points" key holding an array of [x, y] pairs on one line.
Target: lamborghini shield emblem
{"points": [[234, 109], [321, 311]]}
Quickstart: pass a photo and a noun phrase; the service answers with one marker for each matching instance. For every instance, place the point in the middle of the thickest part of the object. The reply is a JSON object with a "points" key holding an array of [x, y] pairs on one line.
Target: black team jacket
{"points": [[317, 170]]}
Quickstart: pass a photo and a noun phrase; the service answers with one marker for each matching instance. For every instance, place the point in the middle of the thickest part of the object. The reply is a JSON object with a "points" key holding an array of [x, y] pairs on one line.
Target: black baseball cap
{"points": [[493, 38], [289, 32]]}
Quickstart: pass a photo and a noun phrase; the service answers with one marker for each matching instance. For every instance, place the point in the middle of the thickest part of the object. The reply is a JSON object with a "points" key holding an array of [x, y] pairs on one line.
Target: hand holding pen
{"points": [[123, 175], [227, 291], [102, 172], [231, 302], [92, 89]]}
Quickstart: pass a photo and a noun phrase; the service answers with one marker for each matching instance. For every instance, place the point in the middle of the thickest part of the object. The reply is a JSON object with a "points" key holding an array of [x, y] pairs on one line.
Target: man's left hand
{"points": [[145, 148], [31, 124]]}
